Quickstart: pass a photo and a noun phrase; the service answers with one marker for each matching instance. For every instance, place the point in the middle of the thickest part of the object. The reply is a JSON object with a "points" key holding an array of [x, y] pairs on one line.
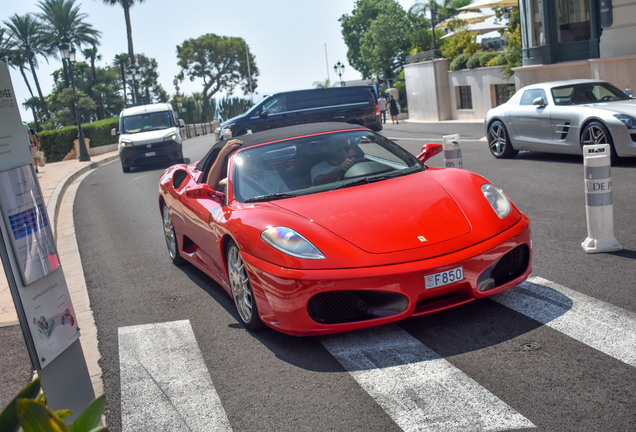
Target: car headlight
{"points": [[291, 243], [499, 202], [226, 131], [628, 121], [126, 143], [171, 137]]}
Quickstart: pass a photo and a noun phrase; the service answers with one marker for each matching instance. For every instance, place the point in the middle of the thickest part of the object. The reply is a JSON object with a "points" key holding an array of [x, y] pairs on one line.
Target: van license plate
{"points": [[444, 278], [148, 154]]}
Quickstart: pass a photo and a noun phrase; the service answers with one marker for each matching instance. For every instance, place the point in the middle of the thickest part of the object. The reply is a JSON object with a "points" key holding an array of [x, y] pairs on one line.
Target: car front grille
{"points": [[335, 307]]}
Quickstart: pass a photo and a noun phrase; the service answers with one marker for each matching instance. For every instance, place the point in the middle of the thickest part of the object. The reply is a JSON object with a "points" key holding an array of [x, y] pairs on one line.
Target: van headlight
{"points": [[126, 143], [499, 202], [171, 137]]}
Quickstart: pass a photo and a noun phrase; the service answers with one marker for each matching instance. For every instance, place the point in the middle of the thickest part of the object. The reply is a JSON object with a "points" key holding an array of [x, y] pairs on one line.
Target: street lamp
{"points": [[133, 76], [67, 52], [339, 69]]}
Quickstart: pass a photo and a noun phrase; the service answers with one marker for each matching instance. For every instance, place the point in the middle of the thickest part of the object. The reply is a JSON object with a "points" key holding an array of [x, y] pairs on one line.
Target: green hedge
{"points": [[59, 142]]}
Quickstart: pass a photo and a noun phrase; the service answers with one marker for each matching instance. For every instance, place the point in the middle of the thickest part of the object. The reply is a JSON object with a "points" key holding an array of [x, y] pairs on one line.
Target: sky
{"points": [[295, 42]]}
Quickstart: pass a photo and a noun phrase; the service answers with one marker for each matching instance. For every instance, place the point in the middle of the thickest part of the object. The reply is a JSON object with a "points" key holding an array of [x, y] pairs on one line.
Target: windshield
{"points": [[307, 165], [146, 122], [587, 93]]}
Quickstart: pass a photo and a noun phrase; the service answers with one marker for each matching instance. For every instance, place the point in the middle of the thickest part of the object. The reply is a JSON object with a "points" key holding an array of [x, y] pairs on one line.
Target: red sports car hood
{"points": [[388, 216]]}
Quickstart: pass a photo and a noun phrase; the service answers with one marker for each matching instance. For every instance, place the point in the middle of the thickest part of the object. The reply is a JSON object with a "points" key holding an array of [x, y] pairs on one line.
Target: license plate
{"points": [[444, 278], [148, 154]]}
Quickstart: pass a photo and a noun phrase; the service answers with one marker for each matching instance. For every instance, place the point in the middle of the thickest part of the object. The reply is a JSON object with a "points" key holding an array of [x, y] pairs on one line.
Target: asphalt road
{"points": [[489, 366]]}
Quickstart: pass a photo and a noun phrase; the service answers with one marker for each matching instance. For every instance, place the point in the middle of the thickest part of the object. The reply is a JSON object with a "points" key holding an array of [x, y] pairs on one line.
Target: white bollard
{"points": [[598, 200], [452, 151]]}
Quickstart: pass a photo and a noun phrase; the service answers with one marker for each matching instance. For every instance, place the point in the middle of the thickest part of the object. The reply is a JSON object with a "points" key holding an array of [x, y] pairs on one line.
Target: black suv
{"points": [[357, 104]]}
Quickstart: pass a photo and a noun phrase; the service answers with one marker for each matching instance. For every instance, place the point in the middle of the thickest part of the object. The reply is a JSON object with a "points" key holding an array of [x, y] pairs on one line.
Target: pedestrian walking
{"points": [[394, 109], [382, 105]]}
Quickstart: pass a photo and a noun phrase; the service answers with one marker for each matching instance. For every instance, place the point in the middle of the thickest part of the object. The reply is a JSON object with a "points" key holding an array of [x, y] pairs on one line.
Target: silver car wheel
{"points": [[171, 237], [499, 142], [240, 286], [594, 134]]}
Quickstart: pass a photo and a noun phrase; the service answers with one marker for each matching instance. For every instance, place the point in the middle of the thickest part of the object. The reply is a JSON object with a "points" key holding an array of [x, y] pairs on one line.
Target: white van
{"points": [[149, 134]]}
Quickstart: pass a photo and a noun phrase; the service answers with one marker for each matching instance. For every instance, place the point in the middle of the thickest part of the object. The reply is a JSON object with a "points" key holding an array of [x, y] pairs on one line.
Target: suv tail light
{"points": [[377, 109]]}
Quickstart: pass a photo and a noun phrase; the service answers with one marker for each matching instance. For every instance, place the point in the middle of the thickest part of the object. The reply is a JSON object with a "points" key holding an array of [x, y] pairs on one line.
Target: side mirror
{"points": [[264, 114], [113, 132], [181, 123], [629, 92], [429, 150], [205, 191], [540, 101]]}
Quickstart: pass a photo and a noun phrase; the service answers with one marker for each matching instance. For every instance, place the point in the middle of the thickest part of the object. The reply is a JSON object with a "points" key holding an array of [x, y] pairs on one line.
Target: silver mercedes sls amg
{"points": [[561, 117]]}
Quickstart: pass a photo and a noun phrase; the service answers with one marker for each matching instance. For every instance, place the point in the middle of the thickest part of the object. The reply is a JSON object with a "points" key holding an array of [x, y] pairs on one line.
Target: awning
{"points": [[466, 17], [479, 28], [491, 4]]}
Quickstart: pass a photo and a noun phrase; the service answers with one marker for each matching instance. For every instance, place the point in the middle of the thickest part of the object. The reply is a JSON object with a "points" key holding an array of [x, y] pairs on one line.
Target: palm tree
{"points": [[322, 84], [126, 4], [91, 54], [62, 19], [439, 12], [26, 42]]}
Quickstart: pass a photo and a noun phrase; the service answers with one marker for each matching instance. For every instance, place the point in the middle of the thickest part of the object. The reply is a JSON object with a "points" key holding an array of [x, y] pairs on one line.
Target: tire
{"points": [[171, 237], [242, 289], [499, 141], [596, 132]]}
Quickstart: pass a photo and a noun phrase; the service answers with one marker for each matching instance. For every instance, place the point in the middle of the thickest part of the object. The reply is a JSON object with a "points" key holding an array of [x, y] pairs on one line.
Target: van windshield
{"points": [[146, 122]]}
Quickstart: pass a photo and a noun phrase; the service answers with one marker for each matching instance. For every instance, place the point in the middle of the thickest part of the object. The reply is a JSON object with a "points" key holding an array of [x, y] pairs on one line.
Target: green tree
{"points": [[148, 85], [220, 61], [377, 35], [25, 41], [438, 13]]}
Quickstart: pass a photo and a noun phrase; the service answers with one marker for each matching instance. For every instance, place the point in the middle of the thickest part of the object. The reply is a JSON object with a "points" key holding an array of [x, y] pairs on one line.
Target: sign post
{"points": [[34, 273]]}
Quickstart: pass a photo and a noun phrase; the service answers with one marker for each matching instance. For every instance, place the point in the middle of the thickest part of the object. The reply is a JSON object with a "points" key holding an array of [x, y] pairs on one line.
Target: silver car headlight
{"points": [[171, 137], [499, 202], [628, 121], [291, 243]]}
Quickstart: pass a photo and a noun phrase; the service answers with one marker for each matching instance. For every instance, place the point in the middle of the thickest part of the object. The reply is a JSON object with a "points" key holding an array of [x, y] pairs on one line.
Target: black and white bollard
{"points": [[598, 200], [452, 151]]}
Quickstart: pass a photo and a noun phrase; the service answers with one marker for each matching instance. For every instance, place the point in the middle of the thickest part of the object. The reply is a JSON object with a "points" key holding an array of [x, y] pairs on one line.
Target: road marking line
{"points": [[419, 389], [600, 325], [165, 384]]}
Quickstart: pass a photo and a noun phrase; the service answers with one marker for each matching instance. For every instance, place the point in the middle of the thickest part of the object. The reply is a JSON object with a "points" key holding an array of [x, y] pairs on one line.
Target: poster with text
{"points": [[26, 217]]}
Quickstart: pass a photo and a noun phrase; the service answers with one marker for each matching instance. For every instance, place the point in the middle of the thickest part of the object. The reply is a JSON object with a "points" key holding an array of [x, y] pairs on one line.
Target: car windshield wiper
{"points": [[271, 197], [365, 180]]}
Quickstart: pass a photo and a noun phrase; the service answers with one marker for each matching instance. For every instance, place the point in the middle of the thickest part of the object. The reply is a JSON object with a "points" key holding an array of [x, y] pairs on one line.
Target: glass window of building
{"points": [[574, 20]]}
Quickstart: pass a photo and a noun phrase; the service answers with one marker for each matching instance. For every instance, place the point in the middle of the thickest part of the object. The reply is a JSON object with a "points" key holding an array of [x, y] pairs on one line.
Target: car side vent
{"points": [[562, 130], [178, 178]]}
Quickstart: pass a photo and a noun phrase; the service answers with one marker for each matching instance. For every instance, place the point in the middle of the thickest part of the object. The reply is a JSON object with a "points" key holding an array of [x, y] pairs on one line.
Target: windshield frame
{"points": [[293, 159]]}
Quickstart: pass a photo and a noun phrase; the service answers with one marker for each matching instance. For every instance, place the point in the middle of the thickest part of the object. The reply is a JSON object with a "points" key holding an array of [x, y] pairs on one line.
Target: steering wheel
{"points": [[357, 169], [605, 98]]}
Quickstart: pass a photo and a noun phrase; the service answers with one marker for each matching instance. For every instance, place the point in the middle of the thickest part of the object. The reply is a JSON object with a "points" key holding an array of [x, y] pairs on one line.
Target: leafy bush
{"points": [[58, 143], [497, 60], [485, 57], [473, 61], [29, 412], [460, 62]]}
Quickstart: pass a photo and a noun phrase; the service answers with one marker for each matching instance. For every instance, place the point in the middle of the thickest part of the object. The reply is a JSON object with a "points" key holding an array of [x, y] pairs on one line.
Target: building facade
{"points": [[561, 39]]}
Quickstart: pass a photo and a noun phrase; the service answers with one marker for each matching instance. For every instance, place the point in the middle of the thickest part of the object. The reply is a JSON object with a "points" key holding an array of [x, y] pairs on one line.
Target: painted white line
{"points": [[165, 384], [602, 326], [420, 390]]}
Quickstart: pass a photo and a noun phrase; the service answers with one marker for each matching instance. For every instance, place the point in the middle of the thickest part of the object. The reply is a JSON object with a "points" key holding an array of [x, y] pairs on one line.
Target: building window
{"points": [[535, 24], [465, 98], [503, 93], [574, 20]]}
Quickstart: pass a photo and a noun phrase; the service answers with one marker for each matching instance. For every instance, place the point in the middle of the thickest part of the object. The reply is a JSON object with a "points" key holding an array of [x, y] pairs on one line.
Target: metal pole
{"points": [[83, 153]]}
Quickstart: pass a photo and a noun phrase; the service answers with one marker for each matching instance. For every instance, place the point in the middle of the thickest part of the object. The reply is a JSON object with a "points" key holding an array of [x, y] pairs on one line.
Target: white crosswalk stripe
{"points": [[162, 367], [602, 326], [420, 390], [165, 384]]}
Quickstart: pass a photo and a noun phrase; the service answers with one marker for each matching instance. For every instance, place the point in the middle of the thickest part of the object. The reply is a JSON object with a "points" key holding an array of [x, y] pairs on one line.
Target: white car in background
{"points": [[561, 117]]}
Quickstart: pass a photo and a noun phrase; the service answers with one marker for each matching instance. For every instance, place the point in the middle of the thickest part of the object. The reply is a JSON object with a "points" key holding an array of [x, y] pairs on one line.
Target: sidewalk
{"points": [[56, 181]]}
